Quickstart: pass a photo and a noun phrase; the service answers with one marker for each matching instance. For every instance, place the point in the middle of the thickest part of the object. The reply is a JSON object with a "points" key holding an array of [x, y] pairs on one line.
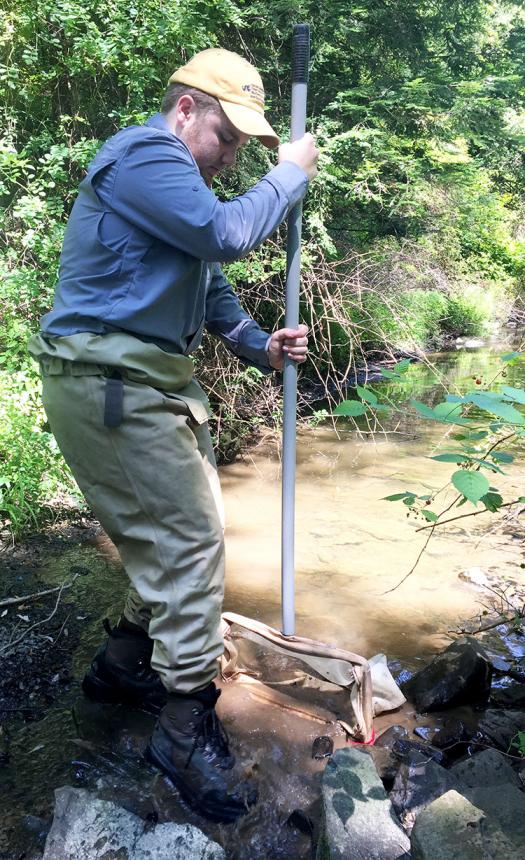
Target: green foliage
{"points": [[32, 470], [493, 422], [518, 743], [420, 113], [420, 317]]}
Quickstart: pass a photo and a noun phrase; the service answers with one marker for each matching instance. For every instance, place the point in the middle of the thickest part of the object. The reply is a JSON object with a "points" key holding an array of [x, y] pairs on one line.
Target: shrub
{"points": [[33, 475]]}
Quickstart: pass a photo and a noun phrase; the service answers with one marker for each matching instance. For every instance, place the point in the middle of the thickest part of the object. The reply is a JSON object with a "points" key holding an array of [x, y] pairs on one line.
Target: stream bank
{"points": [[352, 549]]}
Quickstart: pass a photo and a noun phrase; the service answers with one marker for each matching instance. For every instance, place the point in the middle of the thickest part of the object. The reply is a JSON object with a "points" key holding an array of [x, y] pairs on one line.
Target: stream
{"points": [[353, 549]]}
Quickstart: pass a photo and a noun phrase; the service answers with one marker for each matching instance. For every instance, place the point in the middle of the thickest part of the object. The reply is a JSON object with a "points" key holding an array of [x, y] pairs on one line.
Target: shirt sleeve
{"points": [[159, 189], [226, 319]]}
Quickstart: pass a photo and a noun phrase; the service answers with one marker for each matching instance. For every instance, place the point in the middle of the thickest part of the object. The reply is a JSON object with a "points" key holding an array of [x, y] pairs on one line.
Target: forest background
{"points": [[413, 229]]}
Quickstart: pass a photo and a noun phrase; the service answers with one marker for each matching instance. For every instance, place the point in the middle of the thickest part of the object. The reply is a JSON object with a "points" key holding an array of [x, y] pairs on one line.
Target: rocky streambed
{"points": [[444, 779]]}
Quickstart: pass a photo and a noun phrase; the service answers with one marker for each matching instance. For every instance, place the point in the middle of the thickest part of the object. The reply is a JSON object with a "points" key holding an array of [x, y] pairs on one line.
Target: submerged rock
{"points": [[459, 675], [403, 749], [451, 737], [475, 576], [358, 818], [452, 828], [87, 828]]}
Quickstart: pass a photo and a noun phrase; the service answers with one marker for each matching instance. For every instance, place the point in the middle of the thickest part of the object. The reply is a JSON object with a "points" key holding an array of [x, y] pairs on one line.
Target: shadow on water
{"points": [[351, 549]]}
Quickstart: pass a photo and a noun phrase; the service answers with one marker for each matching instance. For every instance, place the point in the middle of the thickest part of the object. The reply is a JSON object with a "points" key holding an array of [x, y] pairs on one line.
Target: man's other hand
{"points": [[302, 152], [292, 342]]}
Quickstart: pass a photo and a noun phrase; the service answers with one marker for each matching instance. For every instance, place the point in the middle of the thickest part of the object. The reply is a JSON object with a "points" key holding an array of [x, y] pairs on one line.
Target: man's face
{"points": [[213, 141]]}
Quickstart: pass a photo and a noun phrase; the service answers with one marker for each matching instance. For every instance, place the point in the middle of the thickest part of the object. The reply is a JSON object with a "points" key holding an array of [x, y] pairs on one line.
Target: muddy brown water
{"points": [[352, 549]]}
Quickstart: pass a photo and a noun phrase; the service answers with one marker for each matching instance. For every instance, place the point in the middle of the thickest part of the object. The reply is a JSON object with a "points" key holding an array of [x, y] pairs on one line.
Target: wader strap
{"points": [[114, 399]]}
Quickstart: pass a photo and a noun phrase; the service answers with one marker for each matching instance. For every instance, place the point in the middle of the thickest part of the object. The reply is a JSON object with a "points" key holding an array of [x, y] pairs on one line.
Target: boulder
{"points": [[459, 675], [86, 828], [500, 727], [509, 697], [503, 804], [486, 768], [452, 828], [419, 781], [358, 820]]}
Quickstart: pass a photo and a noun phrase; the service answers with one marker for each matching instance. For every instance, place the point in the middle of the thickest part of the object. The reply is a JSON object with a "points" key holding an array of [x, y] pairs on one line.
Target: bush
{"points": [[33, 475], [464, 317]]}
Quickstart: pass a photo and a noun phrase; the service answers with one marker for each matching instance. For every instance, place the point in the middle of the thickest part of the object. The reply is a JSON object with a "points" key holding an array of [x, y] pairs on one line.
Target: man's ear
{"points": [[184, 109]]}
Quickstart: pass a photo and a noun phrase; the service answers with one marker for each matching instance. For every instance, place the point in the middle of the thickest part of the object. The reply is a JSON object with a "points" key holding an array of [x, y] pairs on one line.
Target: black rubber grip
{"points": [[300, 53]]}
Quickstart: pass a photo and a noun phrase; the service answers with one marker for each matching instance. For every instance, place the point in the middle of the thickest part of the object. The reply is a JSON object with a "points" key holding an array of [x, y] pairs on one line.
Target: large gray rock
{"points": [[451, 828], [358, 818], [486, 768], [502, 726], [419, 781], [86, 828], [459, 675], [505, 805]]}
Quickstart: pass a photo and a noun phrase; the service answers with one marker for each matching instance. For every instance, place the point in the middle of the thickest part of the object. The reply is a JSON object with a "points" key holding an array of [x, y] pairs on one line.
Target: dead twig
{"points": [[511, 618], [15, 601], [11, 645]]}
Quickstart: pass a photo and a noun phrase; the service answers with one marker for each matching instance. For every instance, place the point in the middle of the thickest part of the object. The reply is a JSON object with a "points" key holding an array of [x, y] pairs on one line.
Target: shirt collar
{"points": [[158, 120]]}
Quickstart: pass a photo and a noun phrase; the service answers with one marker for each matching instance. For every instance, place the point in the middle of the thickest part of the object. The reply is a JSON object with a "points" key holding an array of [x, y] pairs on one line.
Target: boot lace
{"points": [[209, 731]]}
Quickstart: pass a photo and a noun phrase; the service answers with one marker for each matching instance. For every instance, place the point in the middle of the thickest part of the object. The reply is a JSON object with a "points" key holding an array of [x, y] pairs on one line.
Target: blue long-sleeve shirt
{"points": [[144, 242]]}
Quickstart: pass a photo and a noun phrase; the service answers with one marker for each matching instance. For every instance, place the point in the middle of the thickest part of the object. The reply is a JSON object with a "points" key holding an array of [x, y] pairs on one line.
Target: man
{"points": [[139, 279]]}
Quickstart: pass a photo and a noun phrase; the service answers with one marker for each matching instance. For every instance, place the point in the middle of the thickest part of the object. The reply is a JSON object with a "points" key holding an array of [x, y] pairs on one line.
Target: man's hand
{"points": [[292, 342], [302, 152]]}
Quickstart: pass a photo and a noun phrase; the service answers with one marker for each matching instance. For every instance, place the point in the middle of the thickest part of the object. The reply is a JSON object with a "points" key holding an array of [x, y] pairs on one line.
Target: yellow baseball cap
{"points": [[237, 86]]}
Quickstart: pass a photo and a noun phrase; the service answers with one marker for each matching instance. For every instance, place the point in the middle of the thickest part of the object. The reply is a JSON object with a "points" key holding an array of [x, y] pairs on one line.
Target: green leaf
{"points": [[502, 457], [487, 464], [510, 356], [492, 501], [402, 366], [350, 408], [449, 413], [409, 500], [499, 408], [397, 497], [517, 395], [423, 409], [471, 484], [453, 398], [451, 458], [389, 374], [381, 408], [430, 516], [366, 395]]}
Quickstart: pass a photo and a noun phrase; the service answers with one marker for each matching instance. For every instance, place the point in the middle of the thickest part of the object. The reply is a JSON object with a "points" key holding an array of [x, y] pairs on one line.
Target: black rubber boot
{"points": [[190, 746], [121, 671]]}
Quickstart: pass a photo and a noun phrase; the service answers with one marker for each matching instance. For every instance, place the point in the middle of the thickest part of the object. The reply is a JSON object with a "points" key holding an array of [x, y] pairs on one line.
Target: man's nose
{"points": [[229, 155]]}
